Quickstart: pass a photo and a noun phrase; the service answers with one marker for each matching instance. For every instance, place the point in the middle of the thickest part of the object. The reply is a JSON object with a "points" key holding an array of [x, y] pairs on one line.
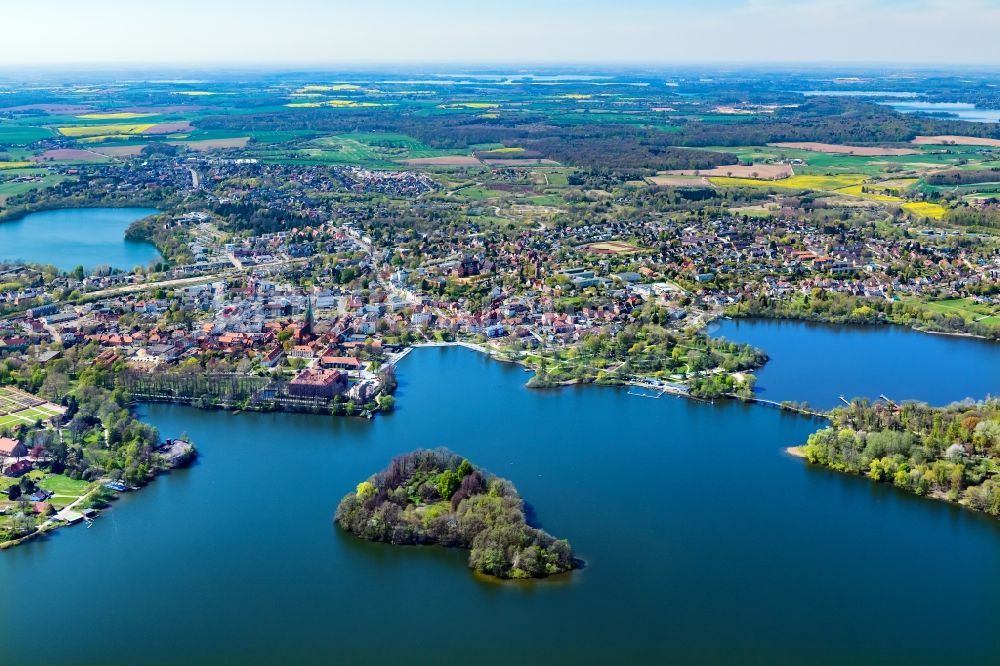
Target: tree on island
{"points": [[428, 497]]}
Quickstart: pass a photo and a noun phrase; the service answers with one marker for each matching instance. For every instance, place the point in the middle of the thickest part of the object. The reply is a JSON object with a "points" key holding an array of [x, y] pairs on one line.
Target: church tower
{"points": [[307, 327]]}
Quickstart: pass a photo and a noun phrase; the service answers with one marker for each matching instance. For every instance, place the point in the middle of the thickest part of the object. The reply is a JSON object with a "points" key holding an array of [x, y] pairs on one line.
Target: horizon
{"points": [[307, 33]]}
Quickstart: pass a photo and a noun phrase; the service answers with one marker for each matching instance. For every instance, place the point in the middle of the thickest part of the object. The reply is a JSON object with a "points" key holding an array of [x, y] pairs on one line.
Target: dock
{"points": [[783, 406]]}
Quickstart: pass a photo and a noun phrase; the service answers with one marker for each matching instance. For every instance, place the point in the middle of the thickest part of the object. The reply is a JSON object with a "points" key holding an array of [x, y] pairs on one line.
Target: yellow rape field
{"points": [[15, 165], [858, 191], [120, 115], [195, 93], [925, 209], [99, 130], [821, 183]]}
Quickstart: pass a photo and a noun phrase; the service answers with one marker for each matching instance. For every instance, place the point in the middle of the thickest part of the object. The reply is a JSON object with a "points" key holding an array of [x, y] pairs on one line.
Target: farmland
{"points": [[121, 129], [761, 172], [835, 149], [117, 115], [22, 135], [810, 182], [925, 209]]}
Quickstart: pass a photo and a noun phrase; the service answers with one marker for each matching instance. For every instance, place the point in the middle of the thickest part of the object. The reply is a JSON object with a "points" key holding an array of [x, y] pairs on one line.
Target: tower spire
{"points": [[308, 327]]}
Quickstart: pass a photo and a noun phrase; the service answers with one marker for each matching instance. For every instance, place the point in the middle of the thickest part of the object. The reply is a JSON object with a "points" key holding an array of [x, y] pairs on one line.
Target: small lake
{"points": [[817, 363], [704, 541], [887, 94], [954, 110], [71, 237]]}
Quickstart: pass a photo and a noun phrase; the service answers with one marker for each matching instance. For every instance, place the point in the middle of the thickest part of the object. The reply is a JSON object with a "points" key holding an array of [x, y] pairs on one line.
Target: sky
{"points": [[332, 32]]}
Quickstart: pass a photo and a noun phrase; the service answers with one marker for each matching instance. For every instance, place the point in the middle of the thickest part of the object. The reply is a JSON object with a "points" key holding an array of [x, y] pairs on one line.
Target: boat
{"points": [[116, 486]]}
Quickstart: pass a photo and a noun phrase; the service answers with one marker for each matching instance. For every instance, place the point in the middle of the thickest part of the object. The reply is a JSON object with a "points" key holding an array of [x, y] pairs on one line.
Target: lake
{"points": [[704, 542], [817, 363], [71, 237], [955, 110]]}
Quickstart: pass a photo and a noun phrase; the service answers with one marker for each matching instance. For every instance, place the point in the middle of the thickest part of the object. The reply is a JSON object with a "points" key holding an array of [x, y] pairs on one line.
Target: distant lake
{"points": [[71, 237], [955, 110], [859, 93], [817, 363]]}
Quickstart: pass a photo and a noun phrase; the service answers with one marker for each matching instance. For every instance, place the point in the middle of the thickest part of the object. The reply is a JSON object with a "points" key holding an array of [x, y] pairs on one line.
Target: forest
{"points": [[987, 217], [615, 146], [947, 453], [437, 497], [966, 177], [828, 120]]}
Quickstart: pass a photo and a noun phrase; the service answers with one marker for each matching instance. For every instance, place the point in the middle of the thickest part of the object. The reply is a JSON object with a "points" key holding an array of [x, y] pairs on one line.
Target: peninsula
{"points": [[946, 453], [437, 497]]}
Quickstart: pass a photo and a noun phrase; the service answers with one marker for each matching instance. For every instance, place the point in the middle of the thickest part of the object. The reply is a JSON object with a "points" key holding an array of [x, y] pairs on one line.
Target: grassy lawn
{"points": [[966, 308], [63, 485], [478, 193], [9, 420], [12, 188]]}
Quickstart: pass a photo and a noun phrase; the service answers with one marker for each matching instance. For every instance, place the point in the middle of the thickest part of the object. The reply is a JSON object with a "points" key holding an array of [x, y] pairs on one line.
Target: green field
{"points": [[16, 135], [368, 149], [12, 188], [826, 163], [966, 308], [63, 486]]}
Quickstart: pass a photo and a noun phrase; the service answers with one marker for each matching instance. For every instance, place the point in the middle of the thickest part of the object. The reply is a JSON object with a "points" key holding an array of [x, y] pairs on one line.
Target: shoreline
{"points": [[863, 324], [21, 212], [54, 522]]}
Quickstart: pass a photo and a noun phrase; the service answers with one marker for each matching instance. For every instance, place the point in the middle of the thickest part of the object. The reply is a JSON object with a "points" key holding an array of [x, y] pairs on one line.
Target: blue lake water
{"points": [[72, 237], [704, 542], [960, 111], [817, 363]]}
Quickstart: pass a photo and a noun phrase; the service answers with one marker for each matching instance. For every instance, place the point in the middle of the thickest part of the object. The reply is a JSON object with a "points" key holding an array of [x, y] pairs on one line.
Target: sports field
{"points": [[20, 408]]}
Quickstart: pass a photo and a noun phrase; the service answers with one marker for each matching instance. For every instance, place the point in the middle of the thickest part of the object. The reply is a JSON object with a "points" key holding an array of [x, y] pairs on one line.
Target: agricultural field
{"points": [[952, 140], [371, 149], [825, 183], [115, 130], [115, 115], [769, 172], [22, 184], [859, 191], [14, 135], [838, 149], [925, 209], [927, 159], [333, 104]]}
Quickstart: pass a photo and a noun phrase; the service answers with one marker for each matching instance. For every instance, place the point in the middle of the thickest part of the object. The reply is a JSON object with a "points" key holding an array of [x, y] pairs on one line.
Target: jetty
{"points": [[783, 406]]}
